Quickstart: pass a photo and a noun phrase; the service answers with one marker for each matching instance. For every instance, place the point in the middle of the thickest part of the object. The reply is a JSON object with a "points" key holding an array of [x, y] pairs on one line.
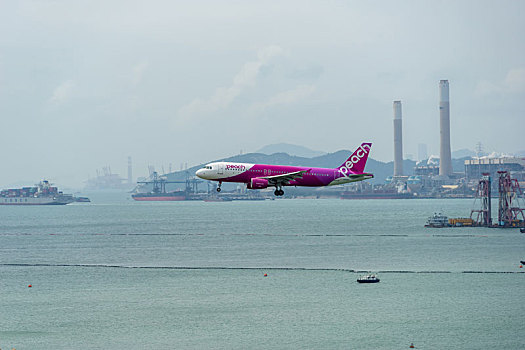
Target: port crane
{"points": [[510, 213], [159, 183]]}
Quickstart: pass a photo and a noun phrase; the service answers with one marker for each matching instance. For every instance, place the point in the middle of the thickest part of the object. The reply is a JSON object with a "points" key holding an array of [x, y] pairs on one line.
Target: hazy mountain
{"points": [[293, 150], [462, 153], [380, 170], [467, 153], [330, 160], [458, 164]]}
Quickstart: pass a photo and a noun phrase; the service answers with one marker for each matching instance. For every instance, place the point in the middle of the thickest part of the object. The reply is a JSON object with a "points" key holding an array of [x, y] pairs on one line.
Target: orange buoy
{"points": [[265, 275], [412, 346], [29, 286], [521, 266]]}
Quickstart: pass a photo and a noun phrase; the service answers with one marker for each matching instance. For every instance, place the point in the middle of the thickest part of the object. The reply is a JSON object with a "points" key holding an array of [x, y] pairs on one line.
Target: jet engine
{"points": [[256, 184]]}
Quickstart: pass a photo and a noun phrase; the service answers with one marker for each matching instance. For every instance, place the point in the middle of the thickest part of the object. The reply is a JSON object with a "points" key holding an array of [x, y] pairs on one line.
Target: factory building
{"points": [[434, 177], [474, 168]]}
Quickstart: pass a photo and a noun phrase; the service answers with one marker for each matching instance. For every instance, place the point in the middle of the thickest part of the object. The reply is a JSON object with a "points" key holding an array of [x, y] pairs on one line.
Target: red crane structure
{"points": [[484, 217], [509, 212]]}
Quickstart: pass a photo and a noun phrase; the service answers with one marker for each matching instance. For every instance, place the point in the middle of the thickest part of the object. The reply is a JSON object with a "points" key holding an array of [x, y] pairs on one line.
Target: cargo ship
{"points": [[160, 196], [41, 194], [376, 194]]}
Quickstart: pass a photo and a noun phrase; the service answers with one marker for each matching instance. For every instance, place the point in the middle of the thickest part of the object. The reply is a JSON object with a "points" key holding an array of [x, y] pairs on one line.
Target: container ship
{"points": [[42, 194]]}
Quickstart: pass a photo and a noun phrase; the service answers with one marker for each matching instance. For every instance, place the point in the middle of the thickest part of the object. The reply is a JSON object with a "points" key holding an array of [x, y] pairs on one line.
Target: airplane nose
{"points": [[199, 173]]}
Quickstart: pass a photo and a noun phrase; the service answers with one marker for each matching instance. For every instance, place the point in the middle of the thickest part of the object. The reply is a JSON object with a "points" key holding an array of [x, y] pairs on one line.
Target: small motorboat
{"points": [[368, 279], [522, 230]]}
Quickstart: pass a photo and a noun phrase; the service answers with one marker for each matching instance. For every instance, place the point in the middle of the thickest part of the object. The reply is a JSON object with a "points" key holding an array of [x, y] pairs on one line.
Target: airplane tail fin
{"points": [[355, 164]]}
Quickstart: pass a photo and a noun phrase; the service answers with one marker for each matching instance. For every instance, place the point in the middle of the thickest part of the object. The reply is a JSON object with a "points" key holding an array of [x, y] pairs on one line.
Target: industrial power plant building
{"points": [[436, 176], [474, 168]]}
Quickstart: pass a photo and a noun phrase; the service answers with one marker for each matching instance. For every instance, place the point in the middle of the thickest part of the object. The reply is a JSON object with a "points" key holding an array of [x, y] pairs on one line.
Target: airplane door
{"points": [[220, 169]]}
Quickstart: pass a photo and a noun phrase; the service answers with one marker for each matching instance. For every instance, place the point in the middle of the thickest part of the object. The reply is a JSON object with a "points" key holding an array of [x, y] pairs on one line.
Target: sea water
{"points": [[281, 274]]}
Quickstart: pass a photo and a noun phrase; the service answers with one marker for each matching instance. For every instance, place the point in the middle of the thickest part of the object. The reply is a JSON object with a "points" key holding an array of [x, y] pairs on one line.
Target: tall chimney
{"points": [[445, 157], [130, 169], [398, 140]]}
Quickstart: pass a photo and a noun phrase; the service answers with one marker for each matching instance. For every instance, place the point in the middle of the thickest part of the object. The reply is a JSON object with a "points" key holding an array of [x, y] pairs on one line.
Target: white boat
{"points": [[368, 279], [437, 220]]}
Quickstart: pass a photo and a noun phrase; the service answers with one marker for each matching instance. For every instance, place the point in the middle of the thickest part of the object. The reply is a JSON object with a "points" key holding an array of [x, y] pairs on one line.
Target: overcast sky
{"points": [[85, 84]]}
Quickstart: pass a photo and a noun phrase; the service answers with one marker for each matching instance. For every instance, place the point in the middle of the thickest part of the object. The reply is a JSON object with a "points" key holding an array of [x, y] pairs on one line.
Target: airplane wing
{"points": [[351, 178], [284, 178], [356, 177]]}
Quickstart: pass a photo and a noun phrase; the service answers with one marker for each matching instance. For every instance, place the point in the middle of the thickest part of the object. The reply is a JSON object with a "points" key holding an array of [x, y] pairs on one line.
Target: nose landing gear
{"points": [[219, 187]]}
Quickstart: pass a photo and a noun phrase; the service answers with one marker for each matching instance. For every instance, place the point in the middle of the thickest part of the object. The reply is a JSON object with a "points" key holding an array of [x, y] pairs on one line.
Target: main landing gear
{"points": [[278, 191], [219, 187]]}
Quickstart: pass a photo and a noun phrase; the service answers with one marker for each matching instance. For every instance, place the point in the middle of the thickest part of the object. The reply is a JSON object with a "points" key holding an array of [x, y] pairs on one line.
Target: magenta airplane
{"points": [[258, 176]]}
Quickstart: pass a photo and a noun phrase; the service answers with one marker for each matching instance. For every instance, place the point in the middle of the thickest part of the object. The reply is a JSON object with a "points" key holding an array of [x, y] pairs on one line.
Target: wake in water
{"points": [[248, 268]]}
